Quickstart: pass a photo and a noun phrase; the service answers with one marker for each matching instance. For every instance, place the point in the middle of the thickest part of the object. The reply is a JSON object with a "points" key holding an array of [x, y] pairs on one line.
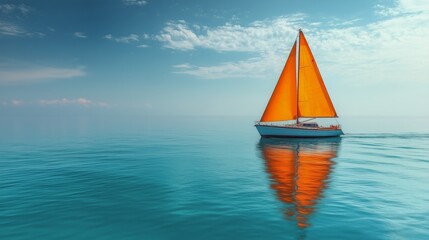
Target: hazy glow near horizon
{"points": [[223, 58]]}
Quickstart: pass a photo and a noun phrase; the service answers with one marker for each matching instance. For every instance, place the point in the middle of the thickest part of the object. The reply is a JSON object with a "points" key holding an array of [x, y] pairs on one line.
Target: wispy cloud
{"points": [[268, 39], [257, 67], [183, 66], [134, 2], [126, 39], [382, 10], [14, 103], [74, 101], [10, 8], [80, 35], [349, 51], [259, 36], [8, 28], [37, 74], [410, 6], [17, 102], [11, 29], [402, 7], [143, 46], [56, 102]]}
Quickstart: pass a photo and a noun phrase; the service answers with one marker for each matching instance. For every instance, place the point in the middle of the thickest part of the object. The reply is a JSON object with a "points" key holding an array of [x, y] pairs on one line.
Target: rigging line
{"points": [[308, 120], [297, 75]]}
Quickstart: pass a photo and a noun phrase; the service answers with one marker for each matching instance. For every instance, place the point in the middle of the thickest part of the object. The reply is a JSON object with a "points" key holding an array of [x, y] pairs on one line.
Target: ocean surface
{"points": [[210, 178]]}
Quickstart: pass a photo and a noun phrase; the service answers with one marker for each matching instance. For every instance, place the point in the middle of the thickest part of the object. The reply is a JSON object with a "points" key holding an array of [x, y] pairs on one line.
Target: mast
{"points": [[297, 77]]}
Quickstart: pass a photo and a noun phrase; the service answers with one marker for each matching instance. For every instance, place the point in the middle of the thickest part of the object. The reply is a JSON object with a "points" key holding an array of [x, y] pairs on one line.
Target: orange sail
{"points": [[313, 98], [283, 102]]}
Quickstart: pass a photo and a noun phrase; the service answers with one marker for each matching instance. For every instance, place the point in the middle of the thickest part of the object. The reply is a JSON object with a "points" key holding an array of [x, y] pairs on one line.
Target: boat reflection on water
{"points": [[299, 170]]}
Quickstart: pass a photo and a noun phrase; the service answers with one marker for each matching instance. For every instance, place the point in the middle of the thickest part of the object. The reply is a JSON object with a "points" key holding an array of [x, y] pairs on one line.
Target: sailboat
{"points": [[299, 97]]}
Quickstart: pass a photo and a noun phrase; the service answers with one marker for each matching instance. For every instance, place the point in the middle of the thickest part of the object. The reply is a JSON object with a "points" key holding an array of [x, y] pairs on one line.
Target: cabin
{"points": [[310, 125]]}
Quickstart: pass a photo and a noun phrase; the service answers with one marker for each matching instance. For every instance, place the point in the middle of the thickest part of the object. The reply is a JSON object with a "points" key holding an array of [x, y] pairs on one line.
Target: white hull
{"points": [[291, 131]]}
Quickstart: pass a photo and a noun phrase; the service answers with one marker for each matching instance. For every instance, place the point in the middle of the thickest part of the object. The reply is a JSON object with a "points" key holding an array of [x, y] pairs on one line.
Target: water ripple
{"points": [[199, 183]]}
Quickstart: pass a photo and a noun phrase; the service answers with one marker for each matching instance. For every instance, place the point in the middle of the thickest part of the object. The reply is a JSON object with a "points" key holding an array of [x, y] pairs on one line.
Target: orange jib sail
{"points": [[313, 98], [282, 105]]}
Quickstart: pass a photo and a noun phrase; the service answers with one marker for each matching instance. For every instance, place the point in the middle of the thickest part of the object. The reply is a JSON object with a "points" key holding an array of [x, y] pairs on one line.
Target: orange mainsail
{"points": [[282, 104], [313, 98], [306, 96]]}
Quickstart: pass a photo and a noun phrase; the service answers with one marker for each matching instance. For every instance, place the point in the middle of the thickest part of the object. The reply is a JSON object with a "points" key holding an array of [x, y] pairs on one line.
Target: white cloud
{"points": [[9, 8], [259, 36], [384, 51], [143, 46], [14, 103], [11, 29], [269, 39], [27, 75], [79, 35], [126, 39], [402, 7], [65, 101], [56, 102], [134, 2], [183, 66], [391, 48], [257, 67], [387, 11], [413, 5], [73, 101], [17, 102], [177, 35]]}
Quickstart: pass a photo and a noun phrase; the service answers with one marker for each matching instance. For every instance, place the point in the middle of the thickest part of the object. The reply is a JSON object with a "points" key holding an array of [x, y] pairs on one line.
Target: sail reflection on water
{"points": [[299, 170]]}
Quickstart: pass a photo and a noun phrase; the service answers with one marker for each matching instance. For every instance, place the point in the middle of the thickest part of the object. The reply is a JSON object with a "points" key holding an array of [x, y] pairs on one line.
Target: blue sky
{"points": [[208, 57]]}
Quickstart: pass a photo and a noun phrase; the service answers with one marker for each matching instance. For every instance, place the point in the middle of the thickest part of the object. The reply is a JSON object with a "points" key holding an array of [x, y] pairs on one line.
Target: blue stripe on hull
{"points": [[275, 131]]}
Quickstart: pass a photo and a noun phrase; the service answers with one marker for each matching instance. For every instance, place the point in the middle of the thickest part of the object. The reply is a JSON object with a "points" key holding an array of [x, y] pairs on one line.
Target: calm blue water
{"points": [[210, 178]]}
